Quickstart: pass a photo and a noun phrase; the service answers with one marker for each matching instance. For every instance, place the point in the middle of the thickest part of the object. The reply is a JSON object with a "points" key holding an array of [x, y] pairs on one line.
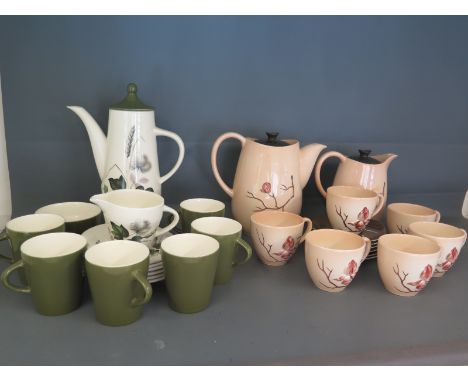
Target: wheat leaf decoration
{"points": [[130, 138]]}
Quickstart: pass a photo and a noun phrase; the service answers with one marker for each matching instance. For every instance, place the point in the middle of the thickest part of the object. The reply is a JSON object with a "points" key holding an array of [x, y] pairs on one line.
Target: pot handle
{"points": [[214, 153], [318, 168], [161, 132]]}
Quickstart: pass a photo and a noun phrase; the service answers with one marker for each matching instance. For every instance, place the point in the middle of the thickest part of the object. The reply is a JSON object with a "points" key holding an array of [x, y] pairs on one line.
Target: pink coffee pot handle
{"points": [[214, 154], [318, 168]]}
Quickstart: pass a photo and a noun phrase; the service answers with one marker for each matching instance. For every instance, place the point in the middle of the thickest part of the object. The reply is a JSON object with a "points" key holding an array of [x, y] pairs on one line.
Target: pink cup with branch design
{"points": [[333, 257], [406, 263], [351, 208], [449, 238], [276, 235]]}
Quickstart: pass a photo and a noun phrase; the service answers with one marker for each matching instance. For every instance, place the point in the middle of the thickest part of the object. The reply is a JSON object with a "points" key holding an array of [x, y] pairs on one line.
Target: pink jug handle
{"points": [[214, 154], [307, 230], [437, 216], [164, 133], [380, 205], [318, 168]]}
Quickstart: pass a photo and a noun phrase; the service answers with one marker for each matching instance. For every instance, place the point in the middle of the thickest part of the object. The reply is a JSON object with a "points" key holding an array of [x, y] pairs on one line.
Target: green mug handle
{"points": [[248, 250], [6, 278], [144, 283], [3, 236]]}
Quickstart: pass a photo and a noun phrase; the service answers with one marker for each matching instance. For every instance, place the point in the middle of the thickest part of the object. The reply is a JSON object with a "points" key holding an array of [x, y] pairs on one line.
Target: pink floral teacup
{"points": [[449, 238], [333, 257], [276, 235], [406, 263], [351, 208]]}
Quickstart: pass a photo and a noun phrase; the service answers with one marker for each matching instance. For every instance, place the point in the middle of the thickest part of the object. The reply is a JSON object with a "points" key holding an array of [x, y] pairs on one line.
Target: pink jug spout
{"points": [[308, 157], [386, 158]]}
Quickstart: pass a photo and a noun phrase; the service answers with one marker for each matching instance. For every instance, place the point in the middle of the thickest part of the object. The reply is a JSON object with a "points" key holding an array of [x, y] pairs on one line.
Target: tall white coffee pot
{"points": [[5, 193]]}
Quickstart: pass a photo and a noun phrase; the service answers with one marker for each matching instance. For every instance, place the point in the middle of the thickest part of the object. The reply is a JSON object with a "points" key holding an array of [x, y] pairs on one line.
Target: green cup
{"points": [[192, 209], [53, 263], [228, 233], [116, 272], [79, 216], [20, 229], [190, 262]]}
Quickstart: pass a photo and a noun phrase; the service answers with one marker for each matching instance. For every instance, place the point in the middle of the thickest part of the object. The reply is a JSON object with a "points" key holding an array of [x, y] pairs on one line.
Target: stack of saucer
{"points": [[100, 233], [373, 231]]}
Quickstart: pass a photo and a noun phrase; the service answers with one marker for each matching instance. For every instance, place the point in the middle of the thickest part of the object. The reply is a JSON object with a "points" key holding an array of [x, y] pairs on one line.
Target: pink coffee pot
{"points": [[270, 175]]}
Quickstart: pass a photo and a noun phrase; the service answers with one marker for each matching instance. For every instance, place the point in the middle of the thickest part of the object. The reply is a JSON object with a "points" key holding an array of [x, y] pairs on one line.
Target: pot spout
{"points": [[96, 136], [308, 157]]}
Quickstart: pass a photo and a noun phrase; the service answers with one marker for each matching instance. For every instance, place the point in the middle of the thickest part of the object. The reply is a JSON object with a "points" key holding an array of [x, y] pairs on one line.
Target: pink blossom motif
{"points": [[289, 246], [424, 278], [450, 259], [266, 188], [363, 219], [350, 273]]}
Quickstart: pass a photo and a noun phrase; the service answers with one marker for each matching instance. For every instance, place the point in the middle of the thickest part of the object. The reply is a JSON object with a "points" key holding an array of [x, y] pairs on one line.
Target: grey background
{"points": [[393, 84]]}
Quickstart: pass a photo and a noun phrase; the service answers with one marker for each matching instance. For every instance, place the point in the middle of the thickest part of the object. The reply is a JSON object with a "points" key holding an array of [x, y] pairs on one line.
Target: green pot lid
{"points": [[131, 101]]}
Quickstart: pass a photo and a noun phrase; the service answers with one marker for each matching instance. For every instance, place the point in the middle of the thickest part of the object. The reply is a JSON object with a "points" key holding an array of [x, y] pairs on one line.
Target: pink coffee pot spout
{"points": [[308, 157]]}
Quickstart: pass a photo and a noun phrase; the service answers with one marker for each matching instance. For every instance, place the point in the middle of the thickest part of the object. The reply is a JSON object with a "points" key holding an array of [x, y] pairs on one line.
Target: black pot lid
{"points": [[272, 140], [365, 158]]}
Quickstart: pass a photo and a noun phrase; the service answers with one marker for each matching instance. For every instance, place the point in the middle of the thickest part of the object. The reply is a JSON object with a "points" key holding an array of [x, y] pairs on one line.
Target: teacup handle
{"points": [[3, 236], [172, 224], [248, 251], [380, 204], [307, 230], [437, 216], [366, 248], [6, 278], [144, 283]]}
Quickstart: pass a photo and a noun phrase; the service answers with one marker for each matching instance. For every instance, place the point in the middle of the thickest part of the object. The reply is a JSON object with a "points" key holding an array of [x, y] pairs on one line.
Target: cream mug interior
{"points": [[116, 254], [51, 245], [409, 244], [335, 240], [71, 211], [35, 223], [202, 205]]}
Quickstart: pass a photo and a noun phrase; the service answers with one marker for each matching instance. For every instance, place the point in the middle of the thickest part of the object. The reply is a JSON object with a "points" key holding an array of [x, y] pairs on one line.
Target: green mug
{"points": [[53, 263], [116, 272], [228, 233], [192, 209], [22, 228], [79, 216], [190, 262]]}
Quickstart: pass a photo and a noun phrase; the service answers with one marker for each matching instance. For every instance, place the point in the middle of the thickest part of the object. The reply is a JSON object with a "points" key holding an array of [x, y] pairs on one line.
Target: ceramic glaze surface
{"points": [[333, 257], [277, 235], [351, 172], [401, 215], [134, 215], [5, 192], [128, 157], [267, 177], [228, 233], [406, 263], [465, 207], [53, 264], [449, 238], [351, 208]]}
